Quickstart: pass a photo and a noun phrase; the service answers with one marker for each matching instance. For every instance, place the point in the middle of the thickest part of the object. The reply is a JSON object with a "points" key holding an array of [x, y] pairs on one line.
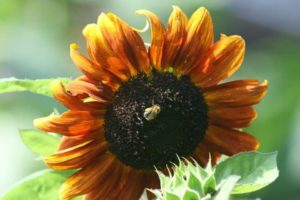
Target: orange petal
{"points": [[229, 141], [200, 37], [175, 36], [232, 117], [157, 38], [236, 93], [126, 43], [93, 87], [109, 188], [84, 181], [77, 156], [224, 59], [97, 92], [134, 186], [100, 49], [68, 100], [91, 69], [70, 141], [71, 123]]}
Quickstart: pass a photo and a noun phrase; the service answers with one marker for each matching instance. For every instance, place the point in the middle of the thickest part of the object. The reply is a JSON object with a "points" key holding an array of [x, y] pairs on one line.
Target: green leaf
{"points": [[39, 86], [210, 184], [256, 170], [226, 188], [194, 183], [171, 196], [40, 142], [43, 185], [191, 195], [144, 196]]}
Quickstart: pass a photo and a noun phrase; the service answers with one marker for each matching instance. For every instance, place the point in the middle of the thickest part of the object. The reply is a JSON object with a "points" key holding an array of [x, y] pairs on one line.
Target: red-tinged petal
{"points": [[203, 153], [236, 93], [174, 38], [229, 141], [100, 90], [232, 117], [71, 123], [134, 186], [200, 37], [101, 52], [86, 89], [127, 43], [224, 59], [157, 38], [70, 141], [109, 188], [70, 101], [152, 179], [77, 156], [91, 69], [84, 181], [152, 182]]}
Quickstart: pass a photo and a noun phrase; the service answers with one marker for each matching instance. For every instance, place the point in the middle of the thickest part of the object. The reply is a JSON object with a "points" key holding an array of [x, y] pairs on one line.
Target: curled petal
{"points": [[199, 38], [224, 58], [77, 156], [236, 93], [83, 88], [70, 101], [234, 117], [229, 141], [71, 123], [100, 91], [157, 38]]}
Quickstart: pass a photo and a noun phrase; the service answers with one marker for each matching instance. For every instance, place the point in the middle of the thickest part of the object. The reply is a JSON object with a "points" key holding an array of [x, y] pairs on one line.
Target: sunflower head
{"points": [[137, 108]]}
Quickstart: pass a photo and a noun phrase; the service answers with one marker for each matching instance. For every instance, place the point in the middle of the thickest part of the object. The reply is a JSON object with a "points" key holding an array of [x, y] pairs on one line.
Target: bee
{"points": [[151, 112]]}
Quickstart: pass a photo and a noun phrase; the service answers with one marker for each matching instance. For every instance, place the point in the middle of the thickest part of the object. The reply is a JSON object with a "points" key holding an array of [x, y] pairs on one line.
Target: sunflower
{"points": [[137, 109]]}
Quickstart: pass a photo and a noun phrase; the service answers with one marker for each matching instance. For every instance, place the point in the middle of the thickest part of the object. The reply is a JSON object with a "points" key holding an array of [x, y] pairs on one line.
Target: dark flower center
{"points": [[155, 118]]}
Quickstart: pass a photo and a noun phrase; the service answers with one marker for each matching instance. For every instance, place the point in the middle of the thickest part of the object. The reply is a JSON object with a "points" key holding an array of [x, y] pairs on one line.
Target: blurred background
{"points": [[34, 43]]}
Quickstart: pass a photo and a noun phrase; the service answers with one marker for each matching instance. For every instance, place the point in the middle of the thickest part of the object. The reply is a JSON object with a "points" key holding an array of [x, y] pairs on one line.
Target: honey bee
{"points": [[151, 112]]}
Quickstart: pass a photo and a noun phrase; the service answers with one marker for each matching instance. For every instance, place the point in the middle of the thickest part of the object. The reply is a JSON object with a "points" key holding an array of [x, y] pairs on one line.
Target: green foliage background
{"points": [[34, 43]]}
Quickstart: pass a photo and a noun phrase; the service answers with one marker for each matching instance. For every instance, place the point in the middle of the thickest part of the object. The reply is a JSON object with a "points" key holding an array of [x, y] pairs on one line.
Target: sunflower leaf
{"points": [[39, 86], [43, 185], [40, 142], [256, 170], [226, 187]]}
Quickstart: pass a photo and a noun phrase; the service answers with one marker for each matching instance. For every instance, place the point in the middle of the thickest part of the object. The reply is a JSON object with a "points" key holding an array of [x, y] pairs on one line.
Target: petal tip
{"points": [[40, 122], [74, 46], [141, 12], [265, 83]]}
